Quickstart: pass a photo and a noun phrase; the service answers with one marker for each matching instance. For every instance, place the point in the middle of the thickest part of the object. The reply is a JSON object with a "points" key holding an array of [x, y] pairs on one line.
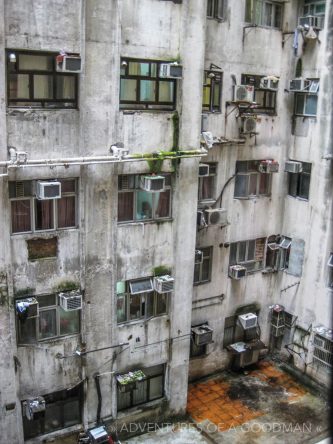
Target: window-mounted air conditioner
{"points": [[268, 166], [203, 170], [33, 406], [248, 320], [293, 167], [98, 435], [216, 216], [198, 258], [48, 190], [202, 335], [299, 85], [249, 125], [237, 271], [269, 83], [68, 63], [171, 71], [27, 308], [152, 183], [244, 93], [70, 301], [315, 21], [163, 284]]}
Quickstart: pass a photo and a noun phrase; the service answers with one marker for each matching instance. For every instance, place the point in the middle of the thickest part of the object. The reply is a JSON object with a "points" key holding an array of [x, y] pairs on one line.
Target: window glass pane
{"points": [[197, 273], [71, 413], [140, 394], [259, 97], [220, 8], [144, 205], [35, 62], [311, 105], [141, 286], [155, 388], [162, 204], [165, 92], [21, 220], [27, 331], [68, 186], [250, 250], [147, 90], [69, 322], [66, 212], [258, 5], [233, 254], [65, 87], [43, 87], [161, 303], [149, 305], [210, 8], [268, 14], [264, 184], [253, 184], [206, 96], [293, 182], [248, 10], [125, 206], [44, 214], [299, 106], [123, 400], [121, 308], [47, 300], [135, 307], [241, 166], [205, 269], [241, 251], [206, 187], [153, 69], [278, 16], [138, 69], [53, 418], [304, 186], [47, 324], [216, 95], [128, 89], [306, 167], [241, 185], [19, 86]]}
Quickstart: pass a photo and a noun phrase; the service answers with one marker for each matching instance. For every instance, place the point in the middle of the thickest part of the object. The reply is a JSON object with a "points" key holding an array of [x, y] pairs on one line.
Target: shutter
{"points": [[296, 257]]}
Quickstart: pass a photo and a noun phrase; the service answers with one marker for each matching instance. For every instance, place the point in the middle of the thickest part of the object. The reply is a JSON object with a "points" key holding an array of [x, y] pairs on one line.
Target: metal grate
{"points": [[323, 352]]}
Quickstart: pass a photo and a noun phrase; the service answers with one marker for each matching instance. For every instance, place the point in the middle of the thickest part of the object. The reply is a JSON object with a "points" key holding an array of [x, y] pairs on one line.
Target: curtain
{"points": [[66, 212], [44, 214], [125, 206], [163, 204], [21, 220]]}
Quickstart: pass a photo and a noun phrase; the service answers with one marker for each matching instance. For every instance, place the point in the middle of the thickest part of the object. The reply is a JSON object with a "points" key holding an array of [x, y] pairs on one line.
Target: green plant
{"points": [[161, 270], [28, 291], [67, 286]]}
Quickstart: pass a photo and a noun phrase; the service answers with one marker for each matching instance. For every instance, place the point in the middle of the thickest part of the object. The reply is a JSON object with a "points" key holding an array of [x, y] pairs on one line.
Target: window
{"points": [[52, 321], [284, 252], [299, 183], [330, 271], [206, 189], [249, 254], [264, 13], [306, 104], [212, 88], [265, 99], [138, 300], [314, 7], [28, 214], [34, 82], [202, 271], [141, 86], [149, 389], [62, 409], [323, 352], [135, 204], [249, 182], [216, 9], [272, 254]]}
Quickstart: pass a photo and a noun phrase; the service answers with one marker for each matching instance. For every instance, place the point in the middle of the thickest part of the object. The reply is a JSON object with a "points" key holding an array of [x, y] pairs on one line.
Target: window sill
{"points": [[205, 203], [35, 108], [195, 284], [144, 222], [140, 321], [302, 199], [271, 28], [139, 408], [147, 111], [42, 234], [253, 197], [216, 19], [51, 341]]}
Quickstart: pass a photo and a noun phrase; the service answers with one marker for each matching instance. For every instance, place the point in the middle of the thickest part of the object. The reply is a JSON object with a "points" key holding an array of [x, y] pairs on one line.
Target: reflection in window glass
{"points": [[135, 307], [147, 90], [128, 89], [165, 92], [69, 322], [144, 205], [47, 324]]}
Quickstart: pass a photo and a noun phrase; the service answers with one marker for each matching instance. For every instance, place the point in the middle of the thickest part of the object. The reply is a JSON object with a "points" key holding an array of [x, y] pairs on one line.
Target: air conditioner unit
{"points": [[163, 284], [237, 271], [202, 335], [48, 190], [293, 167], [270, 83], [249, 125], [244, 93], [203, 170], [70, 301], [299, 85], [318, 342], [277, 331], [27, 308], [268, 166], [33, 406], [171, 71], [119, 152], [248, 320], [315, 21], [216, 216], [198, 257], [98, 435], [68, 63], [153, 183]]}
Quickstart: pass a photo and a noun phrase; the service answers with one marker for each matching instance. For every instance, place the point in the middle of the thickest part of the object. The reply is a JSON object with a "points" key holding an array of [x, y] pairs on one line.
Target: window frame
{"points": [[305, 97], [309, 8], [139, 104], [323, 354], [40, 103], [33, 209], [259, 264], [134, 179], [214, 8], [258, 7], [207, 255], [252, 170], [213, 83], [268, 95], [330, 271], [295, 182], [42, 309], [212, 186]]}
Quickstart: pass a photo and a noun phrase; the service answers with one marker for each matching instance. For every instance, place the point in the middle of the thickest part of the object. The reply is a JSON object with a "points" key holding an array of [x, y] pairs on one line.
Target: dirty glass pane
{"points": [[47, 324], [241, 251], [205, 269], [233, 254], [69, 322], [71, 412], [248, 10], [206, 187], [165, 92], [68, 186], [138, 69], [216, 95], [293, 182], [141, 286], [144, 205], [210, 4], [121, 308], [220, 9], [66, 212], [311, 105], [149, 305], [65, 87], [197, 273], [267, 21], [250, 250], [162, 204], [43, 87], [253, 184], [44, 219], [155, 388], [299, 103], [135, 307], [125, 206], [241, 185], [304, 185], [21, 220], [35, 62], [147, 90], [140, 393], [47, 300], [27, 331], [277, 16], [264, 184], [161, 303], [19, 86], [128, 89]]}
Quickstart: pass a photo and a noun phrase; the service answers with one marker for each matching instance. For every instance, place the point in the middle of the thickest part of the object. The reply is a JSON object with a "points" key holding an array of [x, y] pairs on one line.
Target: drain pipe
{"points": [[99, 396]]}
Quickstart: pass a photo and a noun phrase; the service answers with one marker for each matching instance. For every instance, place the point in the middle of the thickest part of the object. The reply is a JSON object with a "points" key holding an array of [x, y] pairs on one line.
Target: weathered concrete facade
{"points": [[100, 252]]}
